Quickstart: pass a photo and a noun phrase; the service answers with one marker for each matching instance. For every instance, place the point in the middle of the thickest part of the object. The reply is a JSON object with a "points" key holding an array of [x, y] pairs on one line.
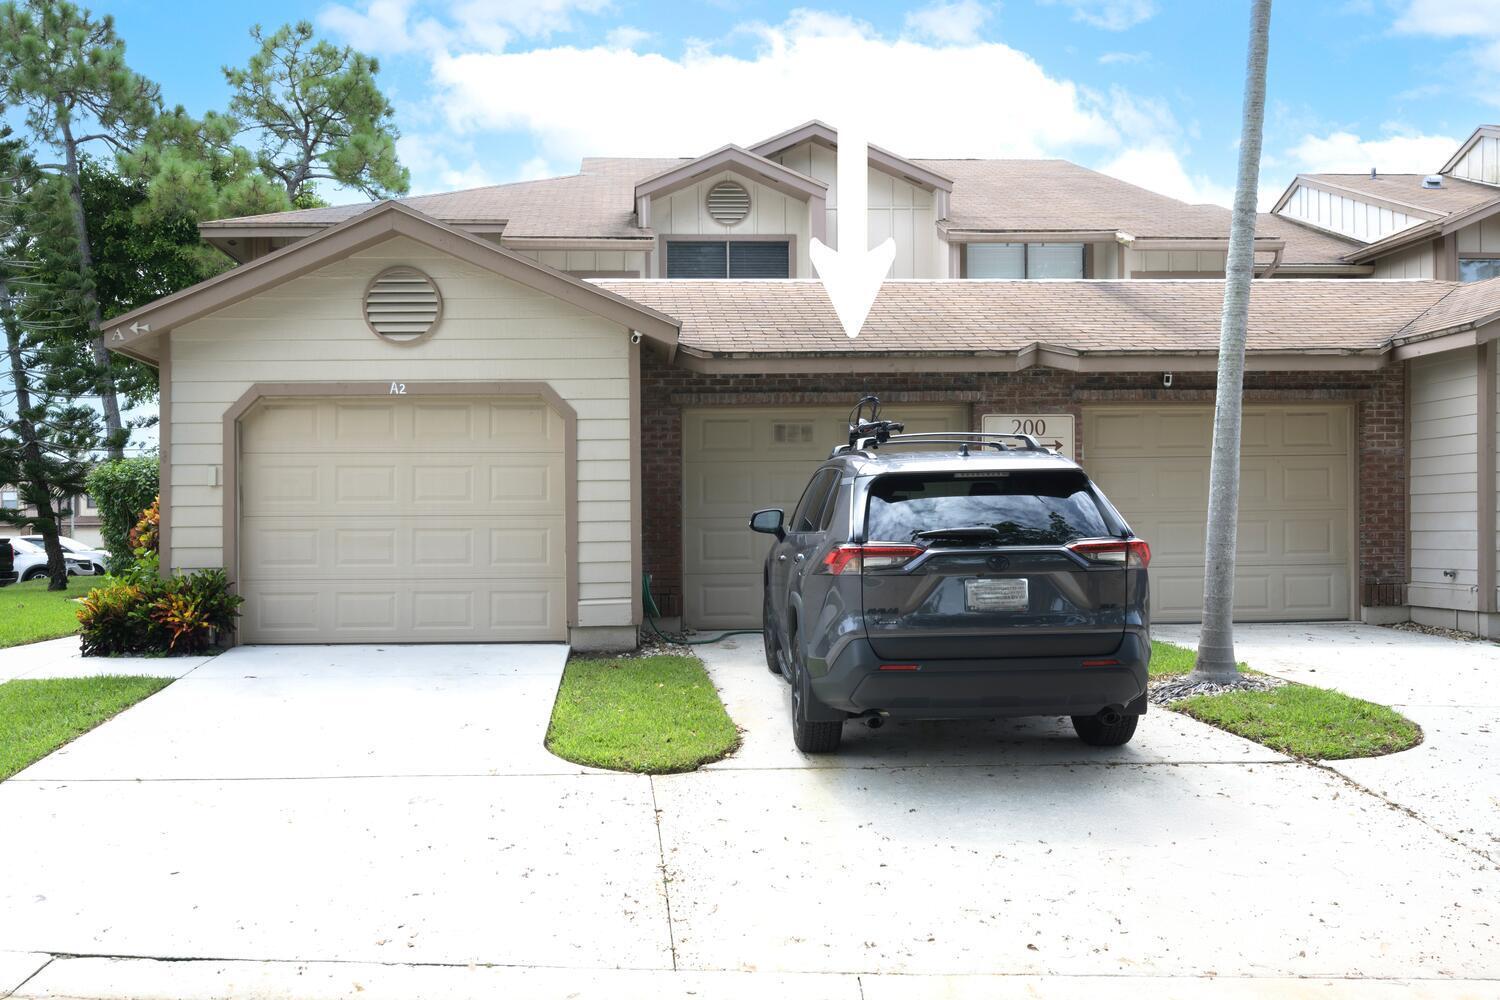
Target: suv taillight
{"points": [[858, 558], [1132, 553]]}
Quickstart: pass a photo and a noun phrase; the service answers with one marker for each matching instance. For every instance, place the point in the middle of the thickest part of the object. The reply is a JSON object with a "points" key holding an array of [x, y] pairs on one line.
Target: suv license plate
{"points": [[997, 595]]}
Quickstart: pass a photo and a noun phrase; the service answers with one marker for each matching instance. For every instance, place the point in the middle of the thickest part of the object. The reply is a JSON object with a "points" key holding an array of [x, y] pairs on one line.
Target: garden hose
{"points": [[649, 606]]}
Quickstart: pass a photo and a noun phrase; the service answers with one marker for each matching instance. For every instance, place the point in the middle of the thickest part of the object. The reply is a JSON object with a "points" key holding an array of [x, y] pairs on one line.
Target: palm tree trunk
{"points": [[1216, 642]]}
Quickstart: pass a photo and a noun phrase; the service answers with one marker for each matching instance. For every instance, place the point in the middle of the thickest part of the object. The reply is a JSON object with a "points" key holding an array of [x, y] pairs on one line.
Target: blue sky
{"points": [[489, 91]]}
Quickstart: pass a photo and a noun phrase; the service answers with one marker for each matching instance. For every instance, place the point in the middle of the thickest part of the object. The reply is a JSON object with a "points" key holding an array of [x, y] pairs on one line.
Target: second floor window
{"points": [[1023, 260], [729, 259], [1478, 268]]}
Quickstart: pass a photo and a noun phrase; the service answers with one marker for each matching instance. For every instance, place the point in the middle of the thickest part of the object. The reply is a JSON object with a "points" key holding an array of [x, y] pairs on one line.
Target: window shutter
{"points": [[996, 260], [759, 259]]}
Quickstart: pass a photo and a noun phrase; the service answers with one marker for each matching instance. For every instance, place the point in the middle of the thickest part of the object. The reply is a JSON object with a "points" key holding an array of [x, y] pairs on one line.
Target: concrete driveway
{"points": [[326, 821]]}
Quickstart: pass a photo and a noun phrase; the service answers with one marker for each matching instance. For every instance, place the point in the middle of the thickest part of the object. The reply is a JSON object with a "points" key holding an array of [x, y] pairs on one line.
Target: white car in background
{"points": [[31, 561], [96, 559]]}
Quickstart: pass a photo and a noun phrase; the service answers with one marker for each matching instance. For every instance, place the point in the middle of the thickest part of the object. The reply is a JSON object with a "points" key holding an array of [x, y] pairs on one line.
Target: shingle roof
{"points": [[597, 202], [1011, 195], [1464, 306], [977, 317], [1304, 244], [1454, 196], [1055, 195]]}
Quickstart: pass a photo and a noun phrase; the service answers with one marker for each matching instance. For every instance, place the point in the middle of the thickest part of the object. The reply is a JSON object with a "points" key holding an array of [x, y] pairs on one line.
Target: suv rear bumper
{"points": [[953, 689]]}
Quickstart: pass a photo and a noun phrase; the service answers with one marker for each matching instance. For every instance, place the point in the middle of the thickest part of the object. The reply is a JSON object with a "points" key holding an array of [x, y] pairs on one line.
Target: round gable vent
{"points": [[728, 202], [402, 305]]}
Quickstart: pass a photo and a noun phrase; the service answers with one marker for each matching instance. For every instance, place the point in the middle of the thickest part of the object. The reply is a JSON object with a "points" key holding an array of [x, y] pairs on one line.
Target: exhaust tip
{"points": [[875, 722]]}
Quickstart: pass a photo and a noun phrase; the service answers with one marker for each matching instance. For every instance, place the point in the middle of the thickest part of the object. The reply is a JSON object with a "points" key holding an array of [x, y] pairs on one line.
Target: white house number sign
{"points": [[1053, 430]]}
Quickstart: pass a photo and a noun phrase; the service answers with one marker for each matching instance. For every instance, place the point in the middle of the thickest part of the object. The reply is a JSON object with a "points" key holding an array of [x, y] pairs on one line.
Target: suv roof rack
{"points": [[868, 432], [965, 440]]}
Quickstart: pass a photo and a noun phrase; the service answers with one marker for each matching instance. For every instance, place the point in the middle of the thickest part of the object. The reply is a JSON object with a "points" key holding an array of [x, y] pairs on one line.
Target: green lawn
{"points": [[37, 717], [1171, 660], [651, 714], [29, 612], [1307, 721]]}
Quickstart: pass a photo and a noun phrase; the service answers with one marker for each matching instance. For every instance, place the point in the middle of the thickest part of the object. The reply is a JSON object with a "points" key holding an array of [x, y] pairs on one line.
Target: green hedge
{"points": [[122, 489]]}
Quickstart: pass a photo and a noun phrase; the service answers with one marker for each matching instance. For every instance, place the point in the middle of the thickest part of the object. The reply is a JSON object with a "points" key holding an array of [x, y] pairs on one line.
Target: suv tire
{"points": [[1100, 734], [768, 636], [809, 736]]}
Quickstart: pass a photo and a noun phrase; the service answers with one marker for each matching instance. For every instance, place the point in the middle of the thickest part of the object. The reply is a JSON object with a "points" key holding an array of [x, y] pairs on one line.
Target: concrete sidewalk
{"points": [[61, 658]]}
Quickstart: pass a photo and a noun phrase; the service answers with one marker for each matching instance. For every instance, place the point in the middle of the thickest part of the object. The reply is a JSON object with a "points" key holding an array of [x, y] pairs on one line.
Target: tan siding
{"points": [[897, 208], [590, 261], [684, 213], [493, 329], [1483, 237], [1444, 491], [1343, 214], [1482, 163], [1142, 263], [1416, 263]]}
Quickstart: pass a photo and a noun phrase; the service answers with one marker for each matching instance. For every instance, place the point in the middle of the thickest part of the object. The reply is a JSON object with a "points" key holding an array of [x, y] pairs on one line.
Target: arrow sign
{"points": [[139, 328], [852, 274]]}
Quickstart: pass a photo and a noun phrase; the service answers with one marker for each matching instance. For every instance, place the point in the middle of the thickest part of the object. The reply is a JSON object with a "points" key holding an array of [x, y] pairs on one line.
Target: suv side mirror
{"points": [[768, 522]]}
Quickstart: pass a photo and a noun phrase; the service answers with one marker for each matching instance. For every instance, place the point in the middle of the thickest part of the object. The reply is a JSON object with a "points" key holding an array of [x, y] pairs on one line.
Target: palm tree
{"points": [[1216, 661]]}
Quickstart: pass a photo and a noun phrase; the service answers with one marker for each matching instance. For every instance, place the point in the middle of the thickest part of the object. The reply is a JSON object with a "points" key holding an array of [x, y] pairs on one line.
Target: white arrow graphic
{"points": [[852, 274]]}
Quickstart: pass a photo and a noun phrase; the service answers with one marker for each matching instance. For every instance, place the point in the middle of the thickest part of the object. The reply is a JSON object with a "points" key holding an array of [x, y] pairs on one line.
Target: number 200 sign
{"points": [[1053, 430]]}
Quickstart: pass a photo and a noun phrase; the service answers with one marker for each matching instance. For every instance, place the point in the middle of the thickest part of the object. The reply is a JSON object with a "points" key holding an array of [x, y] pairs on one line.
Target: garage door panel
{"points": [[1296, 505], [738, 461], [330, 547], [367, 521]]}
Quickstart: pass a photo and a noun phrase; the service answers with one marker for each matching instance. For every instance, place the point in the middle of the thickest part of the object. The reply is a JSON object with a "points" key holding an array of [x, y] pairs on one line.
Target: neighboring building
{"points": [[482, 415], [82, 523]]}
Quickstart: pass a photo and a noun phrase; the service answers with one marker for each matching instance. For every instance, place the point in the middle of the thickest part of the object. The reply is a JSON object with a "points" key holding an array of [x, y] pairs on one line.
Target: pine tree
{"points": [[67, 71], [318, 113], [46, 437]]}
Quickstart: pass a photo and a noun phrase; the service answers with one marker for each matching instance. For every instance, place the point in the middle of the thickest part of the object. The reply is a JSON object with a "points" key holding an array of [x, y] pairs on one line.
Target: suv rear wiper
{"points": [[976, 533]]}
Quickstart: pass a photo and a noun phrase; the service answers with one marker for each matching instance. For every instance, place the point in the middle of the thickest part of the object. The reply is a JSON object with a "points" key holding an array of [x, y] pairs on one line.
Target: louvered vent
{"points": [[728, 203], [402, 305]]}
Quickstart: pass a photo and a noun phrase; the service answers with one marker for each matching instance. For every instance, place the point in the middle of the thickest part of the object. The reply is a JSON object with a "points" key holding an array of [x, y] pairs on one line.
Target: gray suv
{"points": [[954, 575]]}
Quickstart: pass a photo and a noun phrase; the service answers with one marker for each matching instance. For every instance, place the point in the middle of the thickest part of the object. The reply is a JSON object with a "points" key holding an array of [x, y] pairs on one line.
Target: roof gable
{"points": [[881, 159], [739, 160], [134, 333]]}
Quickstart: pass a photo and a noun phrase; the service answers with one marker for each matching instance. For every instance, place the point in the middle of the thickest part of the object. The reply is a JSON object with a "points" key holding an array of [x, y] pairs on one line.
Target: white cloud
{"points": [[1159, 168], [1450, 18], [956, 23], [1111, 15], [626, 37], [1344, 153], [395, 26], [811, 66], [1123, 58]]}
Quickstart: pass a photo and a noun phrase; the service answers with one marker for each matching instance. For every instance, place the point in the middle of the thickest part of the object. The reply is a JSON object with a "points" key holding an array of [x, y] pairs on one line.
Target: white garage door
{"points": [[741, 459], [426, 519], [1296, 504]]}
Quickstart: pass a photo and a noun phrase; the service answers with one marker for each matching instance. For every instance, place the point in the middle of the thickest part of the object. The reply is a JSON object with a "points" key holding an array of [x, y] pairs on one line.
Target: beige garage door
{"points": [[427, 519], [1296, 504], [741, 459]]}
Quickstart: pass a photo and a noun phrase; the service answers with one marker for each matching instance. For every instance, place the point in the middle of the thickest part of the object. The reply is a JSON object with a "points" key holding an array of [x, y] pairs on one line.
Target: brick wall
{"points": [[1380, 435]]}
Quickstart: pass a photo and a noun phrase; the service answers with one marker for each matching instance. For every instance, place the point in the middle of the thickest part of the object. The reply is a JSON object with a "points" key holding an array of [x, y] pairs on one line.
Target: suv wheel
{"points": [[768, 636], [811, 737], [1105, 734], [33, 574]]}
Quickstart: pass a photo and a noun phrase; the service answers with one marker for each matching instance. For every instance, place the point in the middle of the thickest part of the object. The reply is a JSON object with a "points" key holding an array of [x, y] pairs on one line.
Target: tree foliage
{"points": [[46, 436], [318, 114], [122, 490], [67, 71]]}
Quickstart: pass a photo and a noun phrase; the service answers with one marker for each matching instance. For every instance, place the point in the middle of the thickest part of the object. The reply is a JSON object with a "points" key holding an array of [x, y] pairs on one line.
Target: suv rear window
{"points": [[1026, 508]]}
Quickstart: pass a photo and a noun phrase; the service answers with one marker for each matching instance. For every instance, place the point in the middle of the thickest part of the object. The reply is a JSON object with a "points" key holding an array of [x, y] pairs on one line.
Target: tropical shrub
{"points": [[140, 613], [122, 490], [147, 530]]}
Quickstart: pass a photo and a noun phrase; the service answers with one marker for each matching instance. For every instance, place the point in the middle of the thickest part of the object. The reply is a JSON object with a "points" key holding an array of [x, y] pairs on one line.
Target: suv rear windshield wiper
{"points": [[974, 533]]}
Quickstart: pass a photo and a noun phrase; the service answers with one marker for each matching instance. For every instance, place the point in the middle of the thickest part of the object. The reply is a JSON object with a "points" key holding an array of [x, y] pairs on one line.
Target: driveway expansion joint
{"points": [[22, 984], [666, 882]]}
